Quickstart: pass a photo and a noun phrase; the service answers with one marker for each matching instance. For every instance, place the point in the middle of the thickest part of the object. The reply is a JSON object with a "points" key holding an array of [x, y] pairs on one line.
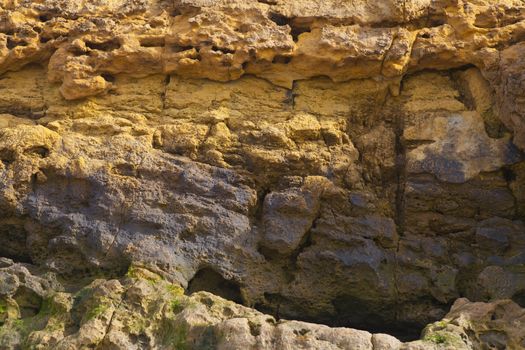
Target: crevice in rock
{"points": [[12, 43], [290, 96], [268, 2], [297, 27], [108, 45], [222, 50], [209, 280], [164, 92], [509, 176], [400, 151]]}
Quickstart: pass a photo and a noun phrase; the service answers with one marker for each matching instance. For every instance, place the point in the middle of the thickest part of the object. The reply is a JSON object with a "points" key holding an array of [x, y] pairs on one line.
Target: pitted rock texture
{"points": [[358, 164], [144, 311]]}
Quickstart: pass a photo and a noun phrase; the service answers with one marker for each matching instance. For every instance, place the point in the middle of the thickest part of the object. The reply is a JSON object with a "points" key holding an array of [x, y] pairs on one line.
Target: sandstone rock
{"points": [[142, 310], [356, 163]]}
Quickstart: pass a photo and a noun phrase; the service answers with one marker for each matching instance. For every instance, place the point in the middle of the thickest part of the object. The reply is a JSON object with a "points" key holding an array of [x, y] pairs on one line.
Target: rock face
{"points": [[144, 311], [358, 164]]}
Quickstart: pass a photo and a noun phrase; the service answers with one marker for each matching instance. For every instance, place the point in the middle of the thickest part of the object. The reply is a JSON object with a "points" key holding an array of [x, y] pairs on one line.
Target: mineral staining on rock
{"points": [[358, 164]]}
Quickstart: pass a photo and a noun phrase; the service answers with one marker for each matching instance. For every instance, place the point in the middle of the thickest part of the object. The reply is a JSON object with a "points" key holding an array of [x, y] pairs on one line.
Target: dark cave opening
{"points": [[349, 312], [209, 280], [519, 298], [352, 312], [14, 238]]}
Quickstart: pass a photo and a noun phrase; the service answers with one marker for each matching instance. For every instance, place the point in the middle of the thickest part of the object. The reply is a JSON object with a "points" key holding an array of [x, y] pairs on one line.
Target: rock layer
{"points": [[357, 164], [144, 311]]}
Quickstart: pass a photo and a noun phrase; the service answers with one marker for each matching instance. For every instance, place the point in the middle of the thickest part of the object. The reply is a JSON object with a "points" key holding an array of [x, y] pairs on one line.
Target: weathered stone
{"points": [[354, 163]]}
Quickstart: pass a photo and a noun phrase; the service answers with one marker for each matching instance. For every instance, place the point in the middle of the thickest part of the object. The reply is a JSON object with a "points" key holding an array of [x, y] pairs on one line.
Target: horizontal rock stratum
{"points": [[272, 174]]}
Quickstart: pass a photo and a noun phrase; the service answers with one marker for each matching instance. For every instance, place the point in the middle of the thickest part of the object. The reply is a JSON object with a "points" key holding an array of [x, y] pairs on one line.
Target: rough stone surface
{"points": [[144, 311], [353, 163]]}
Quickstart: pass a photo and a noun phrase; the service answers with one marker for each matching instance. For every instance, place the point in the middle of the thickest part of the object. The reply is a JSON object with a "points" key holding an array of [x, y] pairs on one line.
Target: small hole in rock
{"points": [[11, 44], [108, 77], [508, 174], [7, 156], [255, 328], [296, 31], [519, 298], [279, 19], [222, 49], [45, 17], [40, 151], [108, 45], [211, 281]]}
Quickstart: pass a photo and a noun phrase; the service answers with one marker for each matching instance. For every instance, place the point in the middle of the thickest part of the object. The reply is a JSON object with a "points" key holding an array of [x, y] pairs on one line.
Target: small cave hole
{"points": [[255, 328], [353, 312], [425, 35], [209, 280], [39, 151], [519, 298], [301, 332], [282, 59], [14, 238], [108, 45], [45, 17], [108, 77], [7, 156], [296, 28], [279, 19], [44, 39], [296, 31], [508, 174], [222, 50], [12, 43], [269, 253]]}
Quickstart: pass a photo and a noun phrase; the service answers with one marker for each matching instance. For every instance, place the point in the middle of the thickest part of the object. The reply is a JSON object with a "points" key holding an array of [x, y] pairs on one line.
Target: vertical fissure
{"points": [[399, 215]]}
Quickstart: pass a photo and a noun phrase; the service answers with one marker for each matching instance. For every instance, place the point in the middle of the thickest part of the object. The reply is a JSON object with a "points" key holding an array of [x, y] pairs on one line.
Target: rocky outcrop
{"points": [[142, 310], [358, 164]]}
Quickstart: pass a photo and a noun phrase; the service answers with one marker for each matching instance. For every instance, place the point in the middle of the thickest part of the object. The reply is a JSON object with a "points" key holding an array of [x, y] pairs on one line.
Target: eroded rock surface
{"points": [[358, 164], [144, 311]]}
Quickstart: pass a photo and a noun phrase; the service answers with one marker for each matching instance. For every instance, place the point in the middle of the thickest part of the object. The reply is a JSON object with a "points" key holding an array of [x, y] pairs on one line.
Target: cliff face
{"points": [[353, 163]]}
